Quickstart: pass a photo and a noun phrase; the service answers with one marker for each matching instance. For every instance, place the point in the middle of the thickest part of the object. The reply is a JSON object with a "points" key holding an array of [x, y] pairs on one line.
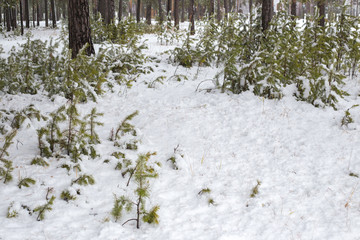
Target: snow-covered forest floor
{"points": [[297, 161]]}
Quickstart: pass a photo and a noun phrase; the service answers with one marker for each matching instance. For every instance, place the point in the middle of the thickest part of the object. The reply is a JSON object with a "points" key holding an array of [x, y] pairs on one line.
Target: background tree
{"points": [[21, 17], [176, 13], [26, 14], [148, 12], [161, 15], [191, 17], [266, 14], [46, 13], [138, 7], [79, 27], [321, 7], [53, 14]]}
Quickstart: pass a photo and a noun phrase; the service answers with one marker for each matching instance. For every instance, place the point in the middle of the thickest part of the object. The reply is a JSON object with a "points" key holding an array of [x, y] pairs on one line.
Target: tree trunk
{"points": [[33, 13], [7, 18], [110, 11], [191, 17], [21, 18], [266, 14], [13, 18], [226, 8], [0, 15], [138, 7], [211, 8], [182, 11], [168, 9], [79, 27], [218, 12], [176, 13], [53, 16], [293, 8], [46, 14], [120, 10], [148, 12], [321, 7], [161, 15], [38, 14], [27, 17]]}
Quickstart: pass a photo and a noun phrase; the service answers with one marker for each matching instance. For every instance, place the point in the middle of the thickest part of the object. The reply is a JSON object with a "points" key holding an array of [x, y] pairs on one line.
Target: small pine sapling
{"points": [[119, 205], [142, 172], [43, 146], [6, 165], [255, 189], [39, 161], [90, 119], [43, 208], [5, 171], [66, 196], [12, 212], [25, 182], [54, 133], [126, 127], [347, 119], [84, 180]]}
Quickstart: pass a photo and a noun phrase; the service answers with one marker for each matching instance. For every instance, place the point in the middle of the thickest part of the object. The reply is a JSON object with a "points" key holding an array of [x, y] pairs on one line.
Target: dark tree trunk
{"points": [[266, 14], [293, 8], [111, 11], [33, 13], [102, 9], [218, 13], [53, 16], [161, 15], [138, 7], [148, 12], [7, 18], [226, 8], [211, 8], [13, 19], [120, 10], [21, 18], [182, 19], [191, 17], [95, 9], [46, 13], [250, 7], [0, 15], [321, 6], [79, 27], [38, 14], [27, 17], [176, 13], [168, 8]]}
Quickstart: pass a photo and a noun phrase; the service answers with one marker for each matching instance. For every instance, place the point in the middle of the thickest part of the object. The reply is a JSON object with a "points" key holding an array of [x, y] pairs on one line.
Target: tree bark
{"points": [[266, 14], [0, 15], [27, 17], [46, 13], [293, 8], [191, 17], [168, 9], [38, 14], [226, 8], [53, 16], [79, 27], [138, 7], [161, 15], [120, 10], [321, 7], [21, 18], [148, 12], [182, 19], [176, 13], [211, 8], [218, 12], [7, 18], [111, 11], [33, 13]]}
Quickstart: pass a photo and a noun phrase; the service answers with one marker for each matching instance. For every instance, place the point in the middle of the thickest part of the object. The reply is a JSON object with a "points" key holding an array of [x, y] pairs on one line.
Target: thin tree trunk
{"points": [[182, 11], [110, 11], [79, 27], [226, 8], [176, 13], [266, 14], [161, 15], [38, 14], [148, 12], [191, 17], [120, 10], [13, 18], [168, 9], [293, 8], [218, 13], [33, 13], [21, 18], [27, 17], [0, 15], [321, 7], [53, 16], [211, 8], [46, 14], [7, 17], [138, 7]]}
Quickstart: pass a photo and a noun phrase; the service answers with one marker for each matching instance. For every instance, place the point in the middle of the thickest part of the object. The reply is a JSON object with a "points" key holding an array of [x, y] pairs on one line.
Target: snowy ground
{"points": [[301, 155]]}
